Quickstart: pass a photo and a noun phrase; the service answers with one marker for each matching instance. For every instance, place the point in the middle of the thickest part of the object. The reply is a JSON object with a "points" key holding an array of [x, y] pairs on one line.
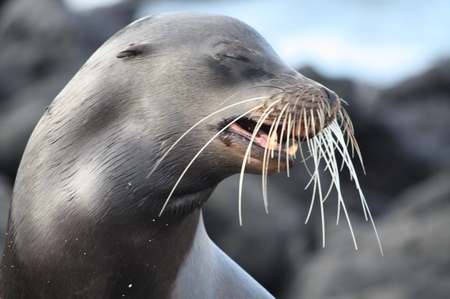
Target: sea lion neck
{"points": [[122, 258], [151, 270]]}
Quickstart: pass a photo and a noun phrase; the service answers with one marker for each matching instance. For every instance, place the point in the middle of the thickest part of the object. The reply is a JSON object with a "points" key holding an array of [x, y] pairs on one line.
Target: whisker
{"points": [[349, 132], [313, 175], [280, 116], [265, 168], [306, 126], [317, 184], [330, 160], [289, 130], [283, 127], [299, 130], [313, 123]]}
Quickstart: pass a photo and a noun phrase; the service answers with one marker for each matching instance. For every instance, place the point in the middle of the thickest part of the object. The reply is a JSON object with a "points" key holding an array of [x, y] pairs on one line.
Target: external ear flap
{"points": [[134, 50]]}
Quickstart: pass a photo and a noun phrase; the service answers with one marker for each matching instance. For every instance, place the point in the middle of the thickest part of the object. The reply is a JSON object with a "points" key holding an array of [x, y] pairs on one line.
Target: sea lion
{"points": [[107, 200]]}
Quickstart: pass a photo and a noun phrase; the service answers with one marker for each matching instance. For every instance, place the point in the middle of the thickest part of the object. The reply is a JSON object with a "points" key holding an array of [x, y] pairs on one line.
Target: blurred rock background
{"points": [[403, 131]]}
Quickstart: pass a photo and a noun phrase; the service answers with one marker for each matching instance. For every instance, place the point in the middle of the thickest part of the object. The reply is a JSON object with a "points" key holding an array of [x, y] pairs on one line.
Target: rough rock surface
{"points": [[415, 237]]}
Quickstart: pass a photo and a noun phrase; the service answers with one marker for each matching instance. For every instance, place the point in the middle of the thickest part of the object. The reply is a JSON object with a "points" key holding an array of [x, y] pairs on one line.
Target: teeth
{"points": [[272, 143], [292, 149]]}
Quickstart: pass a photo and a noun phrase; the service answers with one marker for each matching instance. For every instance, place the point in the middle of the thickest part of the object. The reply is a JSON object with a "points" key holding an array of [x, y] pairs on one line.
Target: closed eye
{"points": [[237, 56]]}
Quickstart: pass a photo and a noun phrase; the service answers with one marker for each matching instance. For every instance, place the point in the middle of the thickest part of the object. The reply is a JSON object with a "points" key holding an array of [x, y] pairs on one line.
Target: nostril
{"points": [[331, 95]]}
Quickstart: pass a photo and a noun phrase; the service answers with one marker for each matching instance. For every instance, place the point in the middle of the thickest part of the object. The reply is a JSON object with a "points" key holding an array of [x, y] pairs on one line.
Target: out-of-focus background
{"points": [[390, 60]]}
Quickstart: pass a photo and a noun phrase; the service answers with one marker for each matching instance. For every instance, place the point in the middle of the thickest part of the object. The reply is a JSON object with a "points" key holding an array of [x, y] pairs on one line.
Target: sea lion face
{"points": [[221, 70]]}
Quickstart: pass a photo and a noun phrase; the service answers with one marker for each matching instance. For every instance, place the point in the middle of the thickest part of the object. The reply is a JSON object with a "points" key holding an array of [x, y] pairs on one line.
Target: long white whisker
{"points": [[317, 157], [283, 127], [299, 127], [289, 130], [276, 126], [330, 160], [265, 168], [314, 176]]}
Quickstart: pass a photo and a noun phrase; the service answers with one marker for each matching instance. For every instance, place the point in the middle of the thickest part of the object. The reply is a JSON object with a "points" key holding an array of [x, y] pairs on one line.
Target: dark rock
{"points": [[417, 113], [37, 39], [99, 24], [40, 52], [43, 45], [415, 238]]}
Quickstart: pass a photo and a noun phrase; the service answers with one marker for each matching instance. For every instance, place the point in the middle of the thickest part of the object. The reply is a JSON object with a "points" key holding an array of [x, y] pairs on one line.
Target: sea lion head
{"points": [[191, 99]]}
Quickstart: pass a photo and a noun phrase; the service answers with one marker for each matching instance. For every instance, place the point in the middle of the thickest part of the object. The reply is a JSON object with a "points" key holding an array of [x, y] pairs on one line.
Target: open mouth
{"points": [[276, 141]]}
